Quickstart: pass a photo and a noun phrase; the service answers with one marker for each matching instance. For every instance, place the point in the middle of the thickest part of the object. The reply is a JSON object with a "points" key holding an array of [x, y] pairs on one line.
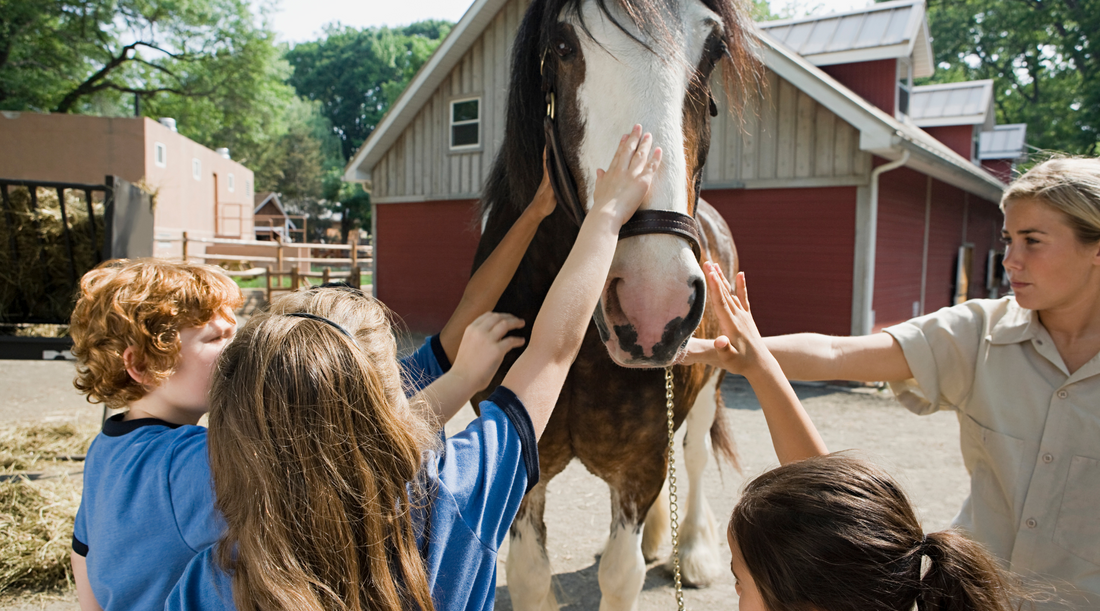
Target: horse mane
{"points": [[517, 169]]}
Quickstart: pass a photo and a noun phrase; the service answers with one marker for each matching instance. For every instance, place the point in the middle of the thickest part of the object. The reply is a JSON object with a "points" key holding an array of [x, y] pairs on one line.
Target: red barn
{"points": [[847, 215]]}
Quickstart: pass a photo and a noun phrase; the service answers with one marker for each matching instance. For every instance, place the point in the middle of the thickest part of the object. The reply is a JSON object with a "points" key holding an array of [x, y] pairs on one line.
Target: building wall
{"points": [[420, 164], [899, 246], [959, 138], [945, 235], [984, 221], [70, 148], [786, 136], [796, 247], [1001, 168], [876, 81], [423, 255]]}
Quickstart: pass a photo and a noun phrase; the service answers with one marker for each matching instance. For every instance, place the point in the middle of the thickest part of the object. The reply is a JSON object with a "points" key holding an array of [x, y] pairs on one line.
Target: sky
{"points": [[302, 20]]}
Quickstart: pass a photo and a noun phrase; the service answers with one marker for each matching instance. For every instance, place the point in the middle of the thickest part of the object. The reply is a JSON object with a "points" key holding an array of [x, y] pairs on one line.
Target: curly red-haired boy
{"points": [[146, 334]]}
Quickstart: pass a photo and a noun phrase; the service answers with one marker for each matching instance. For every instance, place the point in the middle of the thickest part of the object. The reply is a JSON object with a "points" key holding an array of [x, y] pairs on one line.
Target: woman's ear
{"points": [[133, 367]]}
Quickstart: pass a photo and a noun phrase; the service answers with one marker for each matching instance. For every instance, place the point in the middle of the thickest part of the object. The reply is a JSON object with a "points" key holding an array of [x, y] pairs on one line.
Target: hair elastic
{"points": [[321, 319]]}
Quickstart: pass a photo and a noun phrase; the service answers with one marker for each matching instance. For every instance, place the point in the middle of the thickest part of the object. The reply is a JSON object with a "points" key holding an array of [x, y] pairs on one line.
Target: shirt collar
{"points": [[115, 426], [1017, 325]]}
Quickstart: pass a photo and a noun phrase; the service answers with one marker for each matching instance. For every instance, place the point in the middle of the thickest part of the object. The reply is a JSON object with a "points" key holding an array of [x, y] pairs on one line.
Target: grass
{"points": [[36, 517], [259, 282]]}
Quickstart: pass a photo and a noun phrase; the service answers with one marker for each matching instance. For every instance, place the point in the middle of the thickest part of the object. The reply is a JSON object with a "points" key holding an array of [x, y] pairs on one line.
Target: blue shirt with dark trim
{"points": [[147, 506], [479, 479]]}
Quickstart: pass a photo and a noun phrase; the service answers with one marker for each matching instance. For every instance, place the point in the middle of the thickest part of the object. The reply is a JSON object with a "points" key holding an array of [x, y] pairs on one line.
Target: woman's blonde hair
{"points": [[316, 456], [141, 304], [1071, 185]]}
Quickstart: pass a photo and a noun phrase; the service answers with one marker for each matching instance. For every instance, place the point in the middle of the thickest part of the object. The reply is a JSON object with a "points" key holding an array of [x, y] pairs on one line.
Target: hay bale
{"points": [[36, 279], [36, 528], [26, 447]]}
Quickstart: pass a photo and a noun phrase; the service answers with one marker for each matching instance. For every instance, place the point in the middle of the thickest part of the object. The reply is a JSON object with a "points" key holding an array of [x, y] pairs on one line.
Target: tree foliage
{"points": [[1040, 54]]}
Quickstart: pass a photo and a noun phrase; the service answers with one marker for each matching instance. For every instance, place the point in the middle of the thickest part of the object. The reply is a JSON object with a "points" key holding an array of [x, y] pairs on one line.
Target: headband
{"points": [[322, 319]]}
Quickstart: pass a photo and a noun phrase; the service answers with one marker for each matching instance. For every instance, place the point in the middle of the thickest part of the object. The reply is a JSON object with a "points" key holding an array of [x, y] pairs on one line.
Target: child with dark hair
{"points": [[829, 532]]}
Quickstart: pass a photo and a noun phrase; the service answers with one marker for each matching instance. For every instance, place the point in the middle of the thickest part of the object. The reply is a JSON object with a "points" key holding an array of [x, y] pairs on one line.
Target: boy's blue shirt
{"points": [[478, 481], [147, 506]]}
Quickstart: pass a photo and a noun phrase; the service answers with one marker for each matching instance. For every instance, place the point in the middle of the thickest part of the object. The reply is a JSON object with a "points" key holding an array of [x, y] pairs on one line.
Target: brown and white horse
{"points": [[598, 67]]}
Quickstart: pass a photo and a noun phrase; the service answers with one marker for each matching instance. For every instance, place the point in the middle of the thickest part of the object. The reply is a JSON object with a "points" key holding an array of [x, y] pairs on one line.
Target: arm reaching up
{"points": [[537, 376], [741, 350]]}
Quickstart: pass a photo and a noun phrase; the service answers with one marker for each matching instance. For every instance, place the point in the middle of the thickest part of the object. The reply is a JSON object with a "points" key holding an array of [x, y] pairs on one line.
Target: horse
{"points": [[584, 72]]}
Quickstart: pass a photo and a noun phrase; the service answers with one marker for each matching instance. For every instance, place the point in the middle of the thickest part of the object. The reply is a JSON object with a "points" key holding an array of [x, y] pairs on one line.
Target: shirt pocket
{"points": [[1078, 527], [996, 467]]}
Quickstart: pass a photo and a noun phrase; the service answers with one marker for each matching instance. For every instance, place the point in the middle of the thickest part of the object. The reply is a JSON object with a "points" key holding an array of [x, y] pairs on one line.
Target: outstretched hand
{"points": [[621, 188], [484, 344], [544, 201], [740, 348]]}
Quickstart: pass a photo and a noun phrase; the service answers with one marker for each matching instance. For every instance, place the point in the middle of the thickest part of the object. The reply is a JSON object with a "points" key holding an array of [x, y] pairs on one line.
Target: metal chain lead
{"points": [[673, 505]]}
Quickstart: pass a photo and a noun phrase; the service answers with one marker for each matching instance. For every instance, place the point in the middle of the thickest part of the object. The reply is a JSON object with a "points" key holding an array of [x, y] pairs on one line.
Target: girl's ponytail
{"points": [[962, 576]]}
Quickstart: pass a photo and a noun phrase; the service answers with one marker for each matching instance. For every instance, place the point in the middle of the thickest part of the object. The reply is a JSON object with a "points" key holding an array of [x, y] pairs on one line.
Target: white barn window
{"points": [[466, 123], [160, 156], [230, 183], [196, 169]]}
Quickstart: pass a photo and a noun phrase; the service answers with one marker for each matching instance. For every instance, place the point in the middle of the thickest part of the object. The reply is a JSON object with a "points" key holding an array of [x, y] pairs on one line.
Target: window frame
{"points": [[230, 182], [451, 123], [160, 154], [196, 168]]}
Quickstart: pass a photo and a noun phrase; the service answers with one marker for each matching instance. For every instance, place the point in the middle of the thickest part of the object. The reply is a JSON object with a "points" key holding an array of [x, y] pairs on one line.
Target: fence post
{"points": [[185, 246], [356, 275], [294, 278], [279, 262], [267, 278], [325, 274]]}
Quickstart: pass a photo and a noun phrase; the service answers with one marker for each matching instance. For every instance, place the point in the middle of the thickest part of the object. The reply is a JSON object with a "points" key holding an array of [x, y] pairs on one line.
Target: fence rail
{"points": [[273, 275]]}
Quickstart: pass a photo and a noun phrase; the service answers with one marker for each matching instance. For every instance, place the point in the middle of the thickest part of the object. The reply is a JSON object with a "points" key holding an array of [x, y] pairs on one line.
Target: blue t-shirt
{"points": [[479, 479], [146, 510], [148, 503]]}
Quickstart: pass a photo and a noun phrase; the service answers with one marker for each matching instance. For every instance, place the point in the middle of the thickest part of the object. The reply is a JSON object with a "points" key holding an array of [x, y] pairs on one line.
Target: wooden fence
{"points": [[359, 257]]}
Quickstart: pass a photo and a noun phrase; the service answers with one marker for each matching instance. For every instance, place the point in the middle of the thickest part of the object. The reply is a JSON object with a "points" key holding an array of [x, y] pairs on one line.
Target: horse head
{"points": [[595, 68]]}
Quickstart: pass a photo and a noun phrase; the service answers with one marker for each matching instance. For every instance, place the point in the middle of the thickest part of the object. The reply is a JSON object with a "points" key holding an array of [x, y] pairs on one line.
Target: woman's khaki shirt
{"points": [[1030, 434]]}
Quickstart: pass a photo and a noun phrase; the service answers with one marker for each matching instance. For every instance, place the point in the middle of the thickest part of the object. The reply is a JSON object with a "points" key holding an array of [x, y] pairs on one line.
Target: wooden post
{"points": [[279, 262], [185, 246], [294, 278], [325, 274], [267, 279], [356, 275]]}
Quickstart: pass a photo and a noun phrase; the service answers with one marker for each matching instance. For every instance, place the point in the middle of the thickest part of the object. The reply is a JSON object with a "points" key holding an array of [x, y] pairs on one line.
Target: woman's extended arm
{"points": [[537, 376], [863, 358]]}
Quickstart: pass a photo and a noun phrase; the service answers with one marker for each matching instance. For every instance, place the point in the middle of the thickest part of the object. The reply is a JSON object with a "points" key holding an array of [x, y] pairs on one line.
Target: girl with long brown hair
{"points": [[337, 492], [829, 532]]}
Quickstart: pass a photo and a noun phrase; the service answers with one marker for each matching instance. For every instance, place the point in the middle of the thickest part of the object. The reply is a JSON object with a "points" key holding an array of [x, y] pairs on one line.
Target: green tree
{"points": [[1041, 56], [355, 75]]}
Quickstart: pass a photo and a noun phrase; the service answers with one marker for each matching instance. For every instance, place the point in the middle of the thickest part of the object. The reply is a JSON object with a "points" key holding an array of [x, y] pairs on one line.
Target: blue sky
{"points": [[302, 20]]}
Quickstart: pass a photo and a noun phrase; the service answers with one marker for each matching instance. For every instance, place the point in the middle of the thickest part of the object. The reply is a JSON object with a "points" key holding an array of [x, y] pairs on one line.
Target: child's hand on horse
{"points": [[544, 201], [740, 348], [620, 189], [484, 344]]}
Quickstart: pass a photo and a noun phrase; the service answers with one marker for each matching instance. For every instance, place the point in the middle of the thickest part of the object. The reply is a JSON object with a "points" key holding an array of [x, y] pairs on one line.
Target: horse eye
{"points": [[717, 50], [562, 48]]}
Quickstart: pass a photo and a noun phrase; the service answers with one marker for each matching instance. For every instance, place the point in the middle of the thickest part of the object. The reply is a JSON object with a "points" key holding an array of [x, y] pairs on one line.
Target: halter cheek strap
{"points": [[565, 188]]}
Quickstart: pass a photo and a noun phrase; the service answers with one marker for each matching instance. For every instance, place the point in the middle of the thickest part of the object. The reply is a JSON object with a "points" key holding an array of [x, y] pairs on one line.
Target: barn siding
{"points": [[424, 259], [787, 135], [876, 81], [899, 247], [797, 250], [959, 138], [945, 236], [983, 229]]}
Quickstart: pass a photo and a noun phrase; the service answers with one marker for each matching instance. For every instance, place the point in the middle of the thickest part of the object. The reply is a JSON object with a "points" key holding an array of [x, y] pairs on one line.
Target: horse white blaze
{"points": [[654, 279]]}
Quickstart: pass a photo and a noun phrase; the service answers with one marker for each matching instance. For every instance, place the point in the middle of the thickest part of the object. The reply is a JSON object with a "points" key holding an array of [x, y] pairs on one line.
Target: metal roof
{"points": [[1004, 142], [967, 103], [888, 30]]}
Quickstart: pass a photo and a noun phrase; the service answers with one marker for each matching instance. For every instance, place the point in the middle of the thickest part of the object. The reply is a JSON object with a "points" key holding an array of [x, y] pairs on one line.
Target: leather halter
{"points": [[565, 189]]}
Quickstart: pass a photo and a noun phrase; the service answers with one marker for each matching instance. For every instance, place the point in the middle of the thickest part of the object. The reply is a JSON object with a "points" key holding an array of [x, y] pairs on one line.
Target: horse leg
{"points": [[700, 563], [528, 565], [658, 529], [622, 567]]}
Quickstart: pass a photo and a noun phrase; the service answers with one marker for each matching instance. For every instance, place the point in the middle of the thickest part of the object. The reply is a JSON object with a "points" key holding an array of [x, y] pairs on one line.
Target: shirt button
{"points": [[1062, 394], [1031, 523], [1048, 458]]}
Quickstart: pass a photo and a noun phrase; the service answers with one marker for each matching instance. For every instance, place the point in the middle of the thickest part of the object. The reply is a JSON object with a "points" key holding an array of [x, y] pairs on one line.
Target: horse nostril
{"points": [[697, 302]]}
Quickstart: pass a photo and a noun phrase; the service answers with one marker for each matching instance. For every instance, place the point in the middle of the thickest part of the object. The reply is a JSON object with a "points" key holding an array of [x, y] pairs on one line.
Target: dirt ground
{"points": [[922, 452]]}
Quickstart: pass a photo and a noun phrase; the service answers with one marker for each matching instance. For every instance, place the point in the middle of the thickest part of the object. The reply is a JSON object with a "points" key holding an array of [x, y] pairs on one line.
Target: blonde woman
{"points": [[1021, 372]]}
